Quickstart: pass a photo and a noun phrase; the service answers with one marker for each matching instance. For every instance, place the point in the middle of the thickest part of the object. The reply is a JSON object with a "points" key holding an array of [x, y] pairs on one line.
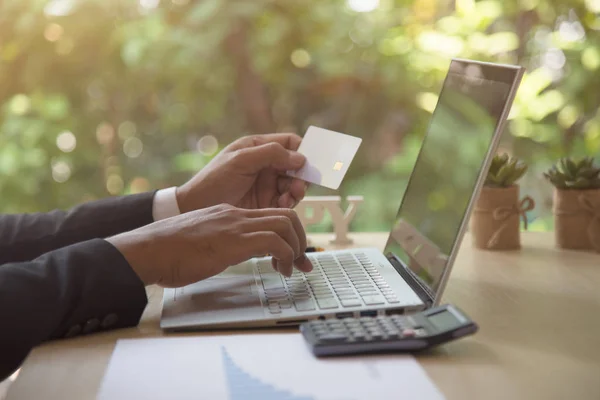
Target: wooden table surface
{"points": [[538, 310]]}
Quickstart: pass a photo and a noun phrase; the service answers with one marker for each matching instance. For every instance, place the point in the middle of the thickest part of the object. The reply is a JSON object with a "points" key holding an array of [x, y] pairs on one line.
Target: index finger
{"points": [[291, 214], [290, 141]]}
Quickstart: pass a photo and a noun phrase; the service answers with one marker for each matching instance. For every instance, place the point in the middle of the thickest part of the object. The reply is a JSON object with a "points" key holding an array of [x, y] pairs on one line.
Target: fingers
{"points": [[289, 141], [290, 215], [298, 189], [286, 224], [254, 159], [292, 191], [286, 201], [270, 242], [279, 224]]}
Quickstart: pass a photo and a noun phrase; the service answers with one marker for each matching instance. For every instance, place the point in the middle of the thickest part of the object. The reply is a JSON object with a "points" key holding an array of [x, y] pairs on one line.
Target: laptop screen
{"points": [[461, 130]]}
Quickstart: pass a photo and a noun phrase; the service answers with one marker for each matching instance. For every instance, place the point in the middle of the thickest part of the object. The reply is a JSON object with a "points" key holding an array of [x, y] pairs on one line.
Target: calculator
{"points": [[387, 333]]}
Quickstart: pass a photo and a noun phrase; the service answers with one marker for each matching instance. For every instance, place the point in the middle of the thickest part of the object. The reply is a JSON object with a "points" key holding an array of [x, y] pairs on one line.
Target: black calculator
{"points": [[387, 333]]}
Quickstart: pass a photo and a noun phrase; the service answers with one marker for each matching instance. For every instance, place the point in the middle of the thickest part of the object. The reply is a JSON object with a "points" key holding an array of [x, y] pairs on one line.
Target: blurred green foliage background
{"points": [[109, 97]]}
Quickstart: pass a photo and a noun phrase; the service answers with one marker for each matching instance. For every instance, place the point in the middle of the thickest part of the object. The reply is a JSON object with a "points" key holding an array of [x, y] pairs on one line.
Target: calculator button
{"points": [[408, 333], [420, 332], [333, 337], [393, 335]]}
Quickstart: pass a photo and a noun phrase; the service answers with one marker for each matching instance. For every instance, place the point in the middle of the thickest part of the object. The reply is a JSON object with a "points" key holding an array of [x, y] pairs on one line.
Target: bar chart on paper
{"points": [[242, 385], [254, 367]]}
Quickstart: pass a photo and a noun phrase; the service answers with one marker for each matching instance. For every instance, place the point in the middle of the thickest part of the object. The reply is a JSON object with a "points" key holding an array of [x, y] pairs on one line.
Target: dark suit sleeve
{"points": [[24, 237], [78, 289]]}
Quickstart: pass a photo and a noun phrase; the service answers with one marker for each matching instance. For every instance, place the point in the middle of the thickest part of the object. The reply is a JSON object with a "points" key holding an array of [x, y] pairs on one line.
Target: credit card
{"points": [[328, 157]]}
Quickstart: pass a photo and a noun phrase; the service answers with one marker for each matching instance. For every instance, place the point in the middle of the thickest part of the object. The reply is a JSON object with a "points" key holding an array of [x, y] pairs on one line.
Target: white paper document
{"points": [[256, 366]]}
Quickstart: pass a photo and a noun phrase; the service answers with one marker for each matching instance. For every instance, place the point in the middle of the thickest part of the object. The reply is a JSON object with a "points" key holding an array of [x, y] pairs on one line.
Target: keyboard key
{"points": [[304, 305], [352, 302], [392, 299], [342, 286], [271, 281], [279, 292], [364, 286], [274, 309], [300, 293], [327, 303], [285, 304], [368, 292], [324, 296], [372, 300]]}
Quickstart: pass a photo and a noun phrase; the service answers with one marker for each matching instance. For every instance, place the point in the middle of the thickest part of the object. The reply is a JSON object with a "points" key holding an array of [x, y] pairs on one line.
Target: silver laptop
{"points": [[426, 234]]}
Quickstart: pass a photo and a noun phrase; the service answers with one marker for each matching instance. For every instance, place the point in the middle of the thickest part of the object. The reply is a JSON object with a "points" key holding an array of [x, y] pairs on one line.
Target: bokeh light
{"points": [[207, 145], [363, 5], [105, 133], [61, 172], [66, 142], [133, 147], [53, 32], [127, 129], [139, 185], [593, 5], [149, 4], [20, 104], [114, 184], [59, 8], [300, 58]]}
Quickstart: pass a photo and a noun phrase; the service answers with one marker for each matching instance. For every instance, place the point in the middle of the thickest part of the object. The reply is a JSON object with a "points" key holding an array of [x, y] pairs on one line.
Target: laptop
{"points": [[411, 274]]}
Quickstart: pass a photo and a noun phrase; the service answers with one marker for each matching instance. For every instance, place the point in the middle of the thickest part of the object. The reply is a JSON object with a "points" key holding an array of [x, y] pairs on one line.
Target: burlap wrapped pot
{"points": [[577, 219], [495, 222]]}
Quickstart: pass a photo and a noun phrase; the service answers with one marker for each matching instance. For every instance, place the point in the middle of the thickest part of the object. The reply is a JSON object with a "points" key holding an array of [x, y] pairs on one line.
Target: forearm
{"points": [[75, 290], [27, 236]]}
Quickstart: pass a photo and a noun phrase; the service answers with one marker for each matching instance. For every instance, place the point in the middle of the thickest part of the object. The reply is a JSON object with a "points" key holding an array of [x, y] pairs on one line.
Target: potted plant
{"points": [[576, 204], [495, 223]]}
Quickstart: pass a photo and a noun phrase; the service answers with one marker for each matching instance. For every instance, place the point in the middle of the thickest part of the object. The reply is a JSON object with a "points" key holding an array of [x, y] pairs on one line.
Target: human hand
{"points": [[249, 173], [190, 247]]}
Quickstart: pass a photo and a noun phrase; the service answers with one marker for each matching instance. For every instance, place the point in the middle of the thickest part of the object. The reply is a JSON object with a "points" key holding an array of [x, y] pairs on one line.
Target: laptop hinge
{"points": [[413, 280]]}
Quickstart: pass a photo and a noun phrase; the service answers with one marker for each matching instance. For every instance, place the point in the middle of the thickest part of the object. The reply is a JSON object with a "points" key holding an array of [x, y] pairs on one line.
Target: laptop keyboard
{"points": [[337, 281]]}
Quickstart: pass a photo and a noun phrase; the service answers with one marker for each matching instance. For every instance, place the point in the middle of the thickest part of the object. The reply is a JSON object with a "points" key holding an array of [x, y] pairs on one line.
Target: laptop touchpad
{"points": [[224, 290]]}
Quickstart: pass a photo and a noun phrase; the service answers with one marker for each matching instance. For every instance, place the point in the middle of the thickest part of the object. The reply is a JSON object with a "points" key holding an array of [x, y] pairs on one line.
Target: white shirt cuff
{"points": [[165, 204]]}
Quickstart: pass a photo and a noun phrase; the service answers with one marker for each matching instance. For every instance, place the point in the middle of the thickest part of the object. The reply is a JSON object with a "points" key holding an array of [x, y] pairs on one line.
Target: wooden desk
{"points": [[538, 310]]}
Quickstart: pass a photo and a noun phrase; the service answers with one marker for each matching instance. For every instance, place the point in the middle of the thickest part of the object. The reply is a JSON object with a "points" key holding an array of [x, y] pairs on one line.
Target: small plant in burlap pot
{"points": [[495, 223], [576, 203]]}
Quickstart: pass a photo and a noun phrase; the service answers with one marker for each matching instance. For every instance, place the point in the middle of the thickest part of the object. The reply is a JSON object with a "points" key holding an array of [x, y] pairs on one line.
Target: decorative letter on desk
{"points": [[312, 209]]}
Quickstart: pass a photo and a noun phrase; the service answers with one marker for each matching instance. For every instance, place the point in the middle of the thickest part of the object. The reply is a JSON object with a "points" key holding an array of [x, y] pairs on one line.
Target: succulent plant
{"points": [[505, 171], [574, 174]]}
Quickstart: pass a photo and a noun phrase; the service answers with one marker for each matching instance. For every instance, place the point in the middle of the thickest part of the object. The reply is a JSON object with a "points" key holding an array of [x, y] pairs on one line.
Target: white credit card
{"points": [[328, 156]]}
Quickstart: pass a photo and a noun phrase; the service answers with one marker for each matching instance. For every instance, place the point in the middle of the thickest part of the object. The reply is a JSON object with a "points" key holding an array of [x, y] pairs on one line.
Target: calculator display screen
{"points": [[443, 320]]}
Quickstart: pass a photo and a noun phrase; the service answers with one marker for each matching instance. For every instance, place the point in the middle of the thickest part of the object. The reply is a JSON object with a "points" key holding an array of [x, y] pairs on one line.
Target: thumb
{"points": [[274, 155]]}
